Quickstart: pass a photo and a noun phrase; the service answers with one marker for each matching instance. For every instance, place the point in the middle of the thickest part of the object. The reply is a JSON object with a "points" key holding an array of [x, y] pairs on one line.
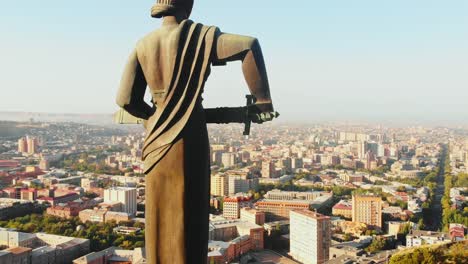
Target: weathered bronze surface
{"points": [[174, 62]]}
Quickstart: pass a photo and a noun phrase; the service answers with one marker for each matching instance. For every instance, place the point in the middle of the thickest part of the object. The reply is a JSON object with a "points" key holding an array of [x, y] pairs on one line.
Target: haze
{"points": [[327, 60]]}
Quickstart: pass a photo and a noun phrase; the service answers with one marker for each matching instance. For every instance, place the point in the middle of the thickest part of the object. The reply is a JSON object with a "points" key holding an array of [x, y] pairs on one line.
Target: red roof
{"points": [[28, 190], [46, 198], [343, 206], [457, 231], [237, 199], [9, 163]]}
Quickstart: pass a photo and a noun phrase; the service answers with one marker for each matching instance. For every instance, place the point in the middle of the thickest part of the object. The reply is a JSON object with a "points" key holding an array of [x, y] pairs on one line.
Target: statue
{"points": [[174, 62]]}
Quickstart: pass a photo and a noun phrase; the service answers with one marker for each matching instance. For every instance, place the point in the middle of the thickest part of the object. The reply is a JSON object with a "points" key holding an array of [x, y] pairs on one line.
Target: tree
{"points": [[378, 244]]}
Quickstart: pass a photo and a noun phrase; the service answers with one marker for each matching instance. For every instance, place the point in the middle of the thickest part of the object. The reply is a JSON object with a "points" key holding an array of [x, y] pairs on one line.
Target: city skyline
{"points": [[396, 61]]}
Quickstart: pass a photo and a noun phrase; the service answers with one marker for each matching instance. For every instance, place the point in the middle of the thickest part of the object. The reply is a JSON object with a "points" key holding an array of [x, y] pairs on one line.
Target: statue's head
{"points": [[171, 7]]}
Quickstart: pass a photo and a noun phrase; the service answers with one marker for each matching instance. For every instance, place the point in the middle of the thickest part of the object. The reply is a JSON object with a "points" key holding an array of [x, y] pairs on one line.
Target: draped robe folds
{"points": [[176, 103], [176, 147]]}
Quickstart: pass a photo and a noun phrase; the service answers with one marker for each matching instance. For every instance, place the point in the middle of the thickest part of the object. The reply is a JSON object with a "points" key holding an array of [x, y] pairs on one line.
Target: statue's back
{"points": [[157, 54]]}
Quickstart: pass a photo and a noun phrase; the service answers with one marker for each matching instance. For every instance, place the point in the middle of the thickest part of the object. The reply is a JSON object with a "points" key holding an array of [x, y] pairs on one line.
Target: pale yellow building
{"points": [[367, 209], [219, 185]]}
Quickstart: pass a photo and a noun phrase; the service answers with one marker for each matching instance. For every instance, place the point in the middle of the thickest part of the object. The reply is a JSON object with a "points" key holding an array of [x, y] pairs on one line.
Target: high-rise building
{"points": [[367, 209], [309, 236], [32, 145], [125, 195], [216, 157], [362, 149], [287, 164], [228, 159], [22, 145], [241, 184], [268, 169], [233, 205], [219, 185], [373, 147]]}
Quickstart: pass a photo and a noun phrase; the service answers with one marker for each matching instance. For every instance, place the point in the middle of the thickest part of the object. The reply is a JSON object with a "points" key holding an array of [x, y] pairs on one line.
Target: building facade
{"points": [[219, 185], [125, 195], [310, 237], [367, 209]]}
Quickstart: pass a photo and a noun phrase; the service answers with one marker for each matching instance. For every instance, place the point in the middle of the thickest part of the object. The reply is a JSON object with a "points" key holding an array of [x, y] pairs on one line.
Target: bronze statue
{"points": [[174, 62]]}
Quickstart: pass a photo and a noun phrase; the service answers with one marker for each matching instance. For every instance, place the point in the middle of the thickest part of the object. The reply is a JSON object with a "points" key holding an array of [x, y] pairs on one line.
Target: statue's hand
{"points": [[262, 107], [262, 112]]}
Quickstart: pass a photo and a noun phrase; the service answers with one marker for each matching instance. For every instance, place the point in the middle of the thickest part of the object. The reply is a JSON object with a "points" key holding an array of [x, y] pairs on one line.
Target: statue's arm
{"points": [[231, 47], [132, 89]]}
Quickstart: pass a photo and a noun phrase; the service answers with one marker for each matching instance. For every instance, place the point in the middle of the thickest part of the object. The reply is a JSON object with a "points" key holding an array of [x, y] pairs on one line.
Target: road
{"points": [[436, 207]]}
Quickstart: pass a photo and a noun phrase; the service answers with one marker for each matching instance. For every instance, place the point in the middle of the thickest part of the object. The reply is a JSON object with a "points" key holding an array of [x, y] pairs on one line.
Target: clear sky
{"points": [[326, 59]]}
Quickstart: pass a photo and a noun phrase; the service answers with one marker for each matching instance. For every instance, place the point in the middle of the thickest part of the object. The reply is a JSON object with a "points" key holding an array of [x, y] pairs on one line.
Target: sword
{"points": [[221, 115]]}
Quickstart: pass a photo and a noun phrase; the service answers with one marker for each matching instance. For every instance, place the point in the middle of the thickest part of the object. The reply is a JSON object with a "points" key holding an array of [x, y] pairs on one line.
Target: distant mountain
{"points": [[96, 119]]}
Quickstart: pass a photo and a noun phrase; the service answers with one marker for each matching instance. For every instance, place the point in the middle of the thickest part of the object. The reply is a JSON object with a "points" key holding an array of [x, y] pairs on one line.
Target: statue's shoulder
{"points": [[160, 35], [152, 36], [191, 23]]}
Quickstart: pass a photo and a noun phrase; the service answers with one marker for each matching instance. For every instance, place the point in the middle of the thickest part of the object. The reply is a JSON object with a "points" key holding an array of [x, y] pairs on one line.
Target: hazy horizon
{"points": [[396, 61]]}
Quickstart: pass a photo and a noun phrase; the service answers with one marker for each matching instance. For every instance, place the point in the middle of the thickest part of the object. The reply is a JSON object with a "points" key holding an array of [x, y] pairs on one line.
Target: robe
{"points": [[176, 147]]}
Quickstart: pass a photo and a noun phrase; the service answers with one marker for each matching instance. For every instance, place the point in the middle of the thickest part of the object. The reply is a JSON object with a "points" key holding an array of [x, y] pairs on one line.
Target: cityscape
{"points": [[234, 132], [288, 193]]}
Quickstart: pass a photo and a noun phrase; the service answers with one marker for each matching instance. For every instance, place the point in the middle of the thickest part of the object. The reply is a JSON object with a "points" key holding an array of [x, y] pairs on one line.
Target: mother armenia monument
{"points": [[174, 63]]}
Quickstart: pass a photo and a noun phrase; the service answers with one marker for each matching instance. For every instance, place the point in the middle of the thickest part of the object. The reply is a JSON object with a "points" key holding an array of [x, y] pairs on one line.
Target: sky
{"points": [[326, 60]]}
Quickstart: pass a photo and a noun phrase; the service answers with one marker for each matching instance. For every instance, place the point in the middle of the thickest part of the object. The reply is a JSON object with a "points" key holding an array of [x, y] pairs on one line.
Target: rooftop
{"points": [[311, 214], [18, 250]]}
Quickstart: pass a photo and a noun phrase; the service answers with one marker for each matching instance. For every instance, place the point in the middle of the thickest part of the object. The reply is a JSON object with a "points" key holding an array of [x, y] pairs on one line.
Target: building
{"points": [[59, 199], [420, 237], [228, 159], [277, 204], [310, 236], [12, 239], [352, 178], [32, 145], [63, 211], [22, 145], [252, 216], [219, 185], [228, 239], [241, 184], [457, 232], [113, 255], [125, 195], [103, 215], [395, 227], [285, 195], [297, 163], [367, 209], [126, 230], [96, 215], [279, 209], [269, 169], [40, 248], [343, 208], [87, 183], [29, 194], [233, 205], [16, 255]]}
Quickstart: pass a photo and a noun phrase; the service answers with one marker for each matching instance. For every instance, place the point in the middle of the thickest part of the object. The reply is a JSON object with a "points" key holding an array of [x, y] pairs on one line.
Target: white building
{"points": [[309, 236], [240, 184], [228, 159], [420, 237], [125, 195]]}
